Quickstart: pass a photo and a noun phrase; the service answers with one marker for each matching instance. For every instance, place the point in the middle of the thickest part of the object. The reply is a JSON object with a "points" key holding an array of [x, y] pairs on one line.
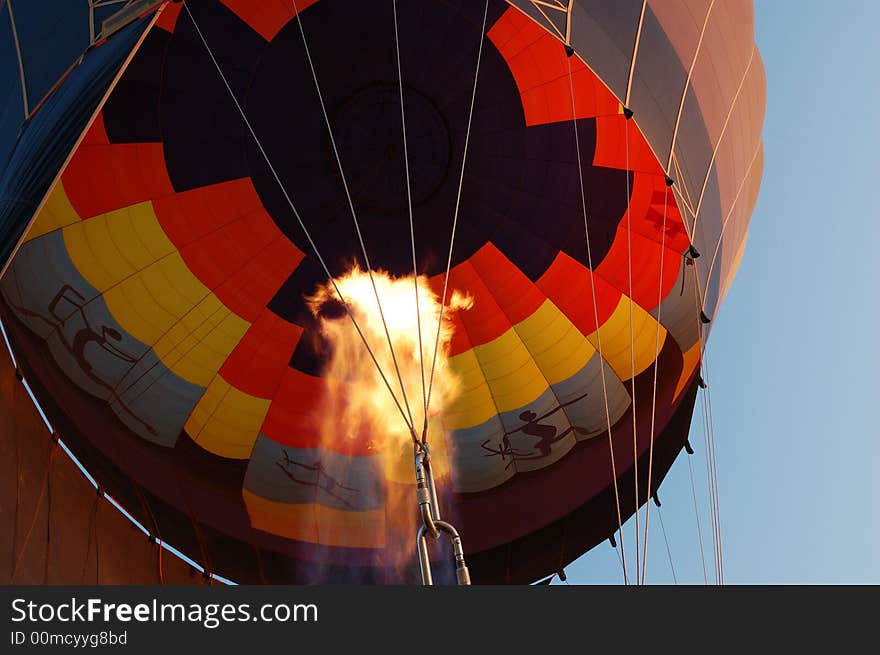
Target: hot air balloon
{"points": [[296, 236]]}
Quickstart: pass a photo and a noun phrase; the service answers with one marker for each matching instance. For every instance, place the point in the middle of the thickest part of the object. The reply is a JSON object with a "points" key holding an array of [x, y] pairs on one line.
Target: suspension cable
{"points": [[654, 393], [711, 488], [632, 345], [412, 233], [43, 490], [354, 216], [668, 549], [467, 138], [715, 478], [697, 516], [709, 432], [297, 215], [577, 145]]}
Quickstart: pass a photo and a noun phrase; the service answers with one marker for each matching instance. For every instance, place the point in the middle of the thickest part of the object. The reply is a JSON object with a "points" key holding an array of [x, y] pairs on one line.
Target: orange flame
{"points": [[359, 409]]}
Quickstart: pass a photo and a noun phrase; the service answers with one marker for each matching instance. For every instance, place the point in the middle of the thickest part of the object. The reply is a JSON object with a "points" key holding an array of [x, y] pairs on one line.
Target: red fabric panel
{"points": [[168, 18], [484, 321], [258, 362], [460, 342], [515, 294], [568, 284], [293, 420], [101, 178], [230, 243], [539, 66], [644, 243], [645, 255], [269, 16], [291, 417], [97, 133], [611, 135]]}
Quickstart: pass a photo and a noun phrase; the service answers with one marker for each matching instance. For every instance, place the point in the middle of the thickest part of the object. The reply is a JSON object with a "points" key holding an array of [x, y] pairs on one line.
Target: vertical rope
{"points": [[632, 349], [699, 527], [48, 519], [91, 536], [577, 144], [52, 449], [296, 214], [654, 393], [357, 228], [467, 138], [412, 234], [155, 532], [17, 505], [668, 549]]}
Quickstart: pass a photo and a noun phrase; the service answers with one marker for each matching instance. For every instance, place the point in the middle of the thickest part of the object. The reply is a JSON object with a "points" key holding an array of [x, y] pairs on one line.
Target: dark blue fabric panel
{"points": [[11, 105], [46, 140], [52, 34]]}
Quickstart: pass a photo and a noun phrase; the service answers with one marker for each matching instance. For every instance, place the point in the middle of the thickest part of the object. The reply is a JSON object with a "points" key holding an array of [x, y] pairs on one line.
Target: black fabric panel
{"points": [[131, 113], [201, 128]]}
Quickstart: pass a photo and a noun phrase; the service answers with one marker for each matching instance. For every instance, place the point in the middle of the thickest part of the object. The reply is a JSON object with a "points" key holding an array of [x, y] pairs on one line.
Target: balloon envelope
{"points": [[159, 301]]}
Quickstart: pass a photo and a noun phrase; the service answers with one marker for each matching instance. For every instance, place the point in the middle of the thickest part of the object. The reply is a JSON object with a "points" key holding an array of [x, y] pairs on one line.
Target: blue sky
{"points": [[794, 353]]}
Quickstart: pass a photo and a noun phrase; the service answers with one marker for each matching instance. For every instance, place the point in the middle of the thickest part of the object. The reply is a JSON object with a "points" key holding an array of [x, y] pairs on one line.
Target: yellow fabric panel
{"points": [[557, 346], [691, 361], [149, 303], [474, 404], [315, 523], [151, 292], [56, 213], [196, 345], [510, 371], [108, 248], [227, 421], [616, 339]]}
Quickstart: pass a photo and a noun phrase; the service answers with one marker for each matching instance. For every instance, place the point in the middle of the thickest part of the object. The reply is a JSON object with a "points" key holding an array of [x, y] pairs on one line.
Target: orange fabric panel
{"points": [[168, 18], [611, 136], [645, 264], [569, 285], [650, 224], [258, 362], [484, 321], [230, 243], [249, 289], [291, 417], [514, 292], [539, 66], [269, 16], [97, 133], [191, 215], [460, 342], [645, 212], [101, 178], [642, 243]]}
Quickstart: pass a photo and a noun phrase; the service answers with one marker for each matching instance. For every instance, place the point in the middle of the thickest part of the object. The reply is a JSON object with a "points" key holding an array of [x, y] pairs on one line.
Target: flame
{"points": [[359, 410]]}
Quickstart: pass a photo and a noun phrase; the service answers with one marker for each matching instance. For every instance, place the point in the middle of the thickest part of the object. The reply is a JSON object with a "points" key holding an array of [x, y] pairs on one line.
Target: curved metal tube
{"points": [[462, 575], [424, 494], [432, 524]]}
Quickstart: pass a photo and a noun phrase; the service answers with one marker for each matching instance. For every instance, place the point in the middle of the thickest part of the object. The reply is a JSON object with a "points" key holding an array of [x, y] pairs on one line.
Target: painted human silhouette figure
{"points": [[504, 450], [322, 480], [546, 434], [102, 337]]}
